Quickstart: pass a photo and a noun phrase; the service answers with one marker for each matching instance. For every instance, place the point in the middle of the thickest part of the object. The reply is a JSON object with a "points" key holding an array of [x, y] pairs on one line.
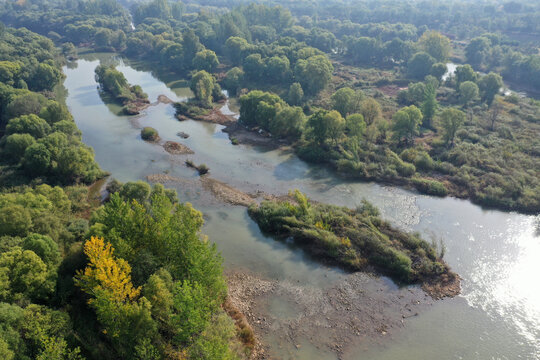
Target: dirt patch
{"points": [[227, 193], [136, 106], [162, 99], [242, 135], [391, 90], [449, 285], [214, 116], [356, 309], [175, 148], [165, 178]]}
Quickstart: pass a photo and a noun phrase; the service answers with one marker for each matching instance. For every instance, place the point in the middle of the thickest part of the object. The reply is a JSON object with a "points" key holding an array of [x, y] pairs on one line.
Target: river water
{"points": [[496, 253]]}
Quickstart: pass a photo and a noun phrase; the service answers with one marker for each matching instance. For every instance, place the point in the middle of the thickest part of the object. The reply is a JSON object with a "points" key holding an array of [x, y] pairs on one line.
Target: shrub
{"points": [[430, 187], [423, 161], [149, 134], [203, 169]]}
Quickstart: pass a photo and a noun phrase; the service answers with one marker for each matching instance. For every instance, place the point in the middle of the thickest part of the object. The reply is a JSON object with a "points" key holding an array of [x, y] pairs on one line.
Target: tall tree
{"points": [[451, 119], [406, 123], [436, 45], [490, 85], [429, 106]]}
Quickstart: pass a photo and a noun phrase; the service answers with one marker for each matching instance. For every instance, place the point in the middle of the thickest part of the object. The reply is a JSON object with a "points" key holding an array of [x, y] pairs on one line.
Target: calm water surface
{"points": [[496, 253]]}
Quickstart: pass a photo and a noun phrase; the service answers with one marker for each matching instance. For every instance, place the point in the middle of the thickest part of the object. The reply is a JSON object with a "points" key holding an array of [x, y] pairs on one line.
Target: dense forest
{"points": [[363, 87], [133, 279], [353, 89]]}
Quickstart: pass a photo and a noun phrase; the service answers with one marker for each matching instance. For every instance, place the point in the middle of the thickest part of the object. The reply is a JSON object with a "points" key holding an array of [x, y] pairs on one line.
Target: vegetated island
{"points": [[114, 83], [203, 106], [358, 240]]}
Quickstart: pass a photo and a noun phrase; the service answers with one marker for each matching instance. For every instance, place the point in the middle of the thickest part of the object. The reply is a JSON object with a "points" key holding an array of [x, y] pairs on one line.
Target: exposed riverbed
{"points": [[307, 308]]}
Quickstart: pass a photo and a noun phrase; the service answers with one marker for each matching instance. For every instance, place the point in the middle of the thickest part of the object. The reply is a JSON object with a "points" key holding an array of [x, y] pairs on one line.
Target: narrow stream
{"points": [[498, 315]]}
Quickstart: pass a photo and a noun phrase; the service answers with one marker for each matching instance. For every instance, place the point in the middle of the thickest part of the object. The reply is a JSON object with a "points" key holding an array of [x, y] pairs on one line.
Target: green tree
{"points": [[252, 111], [436, 45], [205, 60], [45, 78], [158, 290], [288, 122], [371, 110], [468, 92], [429, 106], [202, 85], [278, 69], [438, 70], [406, 123], [233, 80], [55, 112], [355, 125], [419, 66], [193, 310], [325, 125], [28, 124], [295, 95], [136, 190], [25, 104], [254, 67], [465, 73], [103, 37], [37, 159], [23, 275], [15, 220], [489, 86], [190, 45], [235, 48], [314, 73], [346, 101], [16, 145], [44, 247], [477, 51], [451, 120]]}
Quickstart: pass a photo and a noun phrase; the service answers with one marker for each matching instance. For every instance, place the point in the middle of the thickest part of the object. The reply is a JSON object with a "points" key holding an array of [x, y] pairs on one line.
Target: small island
{"points": [[358, 240], [113, 83]]}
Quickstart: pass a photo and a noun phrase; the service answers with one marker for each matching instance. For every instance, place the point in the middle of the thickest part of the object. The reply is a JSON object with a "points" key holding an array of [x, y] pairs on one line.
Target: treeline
{"points": [[40, 138], [132, 279], [465, 19], [471, 124], [103, 22]]}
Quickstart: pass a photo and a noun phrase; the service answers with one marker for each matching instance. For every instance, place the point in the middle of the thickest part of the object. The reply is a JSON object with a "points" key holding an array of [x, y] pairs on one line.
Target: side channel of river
{"points": [[497, 316]]}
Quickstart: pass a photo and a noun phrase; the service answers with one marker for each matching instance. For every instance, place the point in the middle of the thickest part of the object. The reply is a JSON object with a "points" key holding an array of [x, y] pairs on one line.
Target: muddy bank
{"points": [[333, 319], [227, 193], [175, 148], [185, 111], [242, 135]]}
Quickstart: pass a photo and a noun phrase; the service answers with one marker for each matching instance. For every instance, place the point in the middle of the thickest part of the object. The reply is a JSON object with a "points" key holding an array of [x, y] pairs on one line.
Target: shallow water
{"points": [[498, 315]]}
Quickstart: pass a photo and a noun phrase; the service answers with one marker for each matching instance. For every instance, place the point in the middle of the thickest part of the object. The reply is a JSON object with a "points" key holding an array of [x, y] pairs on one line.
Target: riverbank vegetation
{"points": [[356, 239], [113, 83], [131, 279]]}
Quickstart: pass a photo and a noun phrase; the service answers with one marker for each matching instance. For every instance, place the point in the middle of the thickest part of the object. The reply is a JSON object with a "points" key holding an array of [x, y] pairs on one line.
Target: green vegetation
{"points": [[113, 83], [132, 279], [149, 134], [357, 239]]}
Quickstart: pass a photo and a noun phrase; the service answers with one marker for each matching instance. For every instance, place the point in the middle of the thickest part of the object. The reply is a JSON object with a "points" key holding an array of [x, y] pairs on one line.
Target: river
{"points": [[496, 253]]}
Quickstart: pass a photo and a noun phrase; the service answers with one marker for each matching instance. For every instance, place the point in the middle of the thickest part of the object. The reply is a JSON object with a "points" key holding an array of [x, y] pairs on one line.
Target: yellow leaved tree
{"points": [[124, 315], [106, 273]]}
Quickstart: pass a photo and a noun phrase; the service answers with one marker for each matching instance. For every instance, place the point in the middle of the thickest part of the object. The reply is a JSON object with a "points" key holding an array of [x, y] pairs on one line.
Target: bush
{"points": [[203, 169], [430, 187], [423, 161], [149, 134]]}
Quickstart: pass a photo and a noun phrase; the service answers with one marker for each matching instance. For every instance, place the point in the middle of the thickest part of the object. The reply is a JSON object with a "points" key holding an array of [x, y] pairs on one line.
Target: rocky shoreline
{"points": [[334, 319]]}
